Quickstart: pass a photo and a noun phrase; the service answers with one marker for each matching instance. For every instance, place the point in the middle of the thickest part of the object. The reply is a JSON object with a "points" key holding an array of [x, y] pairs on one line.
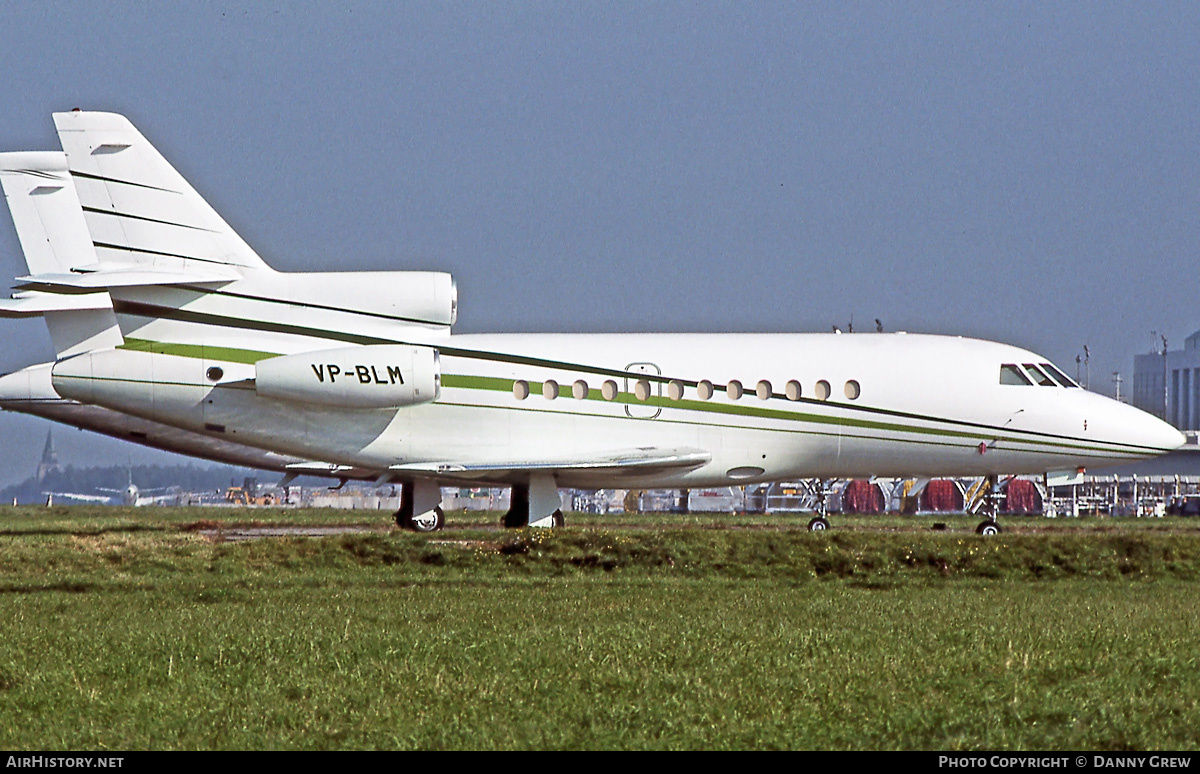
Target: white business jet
{"points": [[190, 337]]}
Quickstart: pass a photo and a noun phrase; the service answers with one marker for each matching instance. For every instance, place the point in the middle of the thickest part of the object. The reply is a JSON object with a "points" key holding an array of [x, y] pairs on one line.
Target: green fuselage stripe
{"points": [[198, 351]]}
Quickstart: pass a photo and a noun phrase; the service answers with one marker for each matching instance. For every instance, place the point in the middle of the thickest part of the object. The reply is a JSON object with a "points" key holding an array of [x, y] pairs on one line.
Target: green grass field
{"points": [[130, 629]]}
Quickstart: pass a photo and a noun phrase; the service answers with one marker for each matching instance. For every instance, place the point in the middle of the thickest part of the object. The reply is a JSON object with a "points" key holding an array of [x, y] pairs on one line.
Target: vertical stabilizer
{"points": [[54, 237], [139, 210]]}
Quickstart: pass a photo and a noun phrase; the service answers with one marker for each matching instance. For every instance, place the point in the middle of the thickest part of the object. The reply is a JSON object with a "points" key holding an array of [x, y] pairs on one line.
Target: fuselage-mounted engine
{"points": [[370, 377]]}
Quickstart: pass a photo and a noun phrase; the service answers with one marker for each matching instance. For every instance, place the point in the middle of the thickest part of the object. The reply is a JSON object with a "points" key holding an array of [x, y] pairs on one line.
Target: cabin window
{"points": [[823, 390], [1010, 374], [215, 373], [579, 389], [520, 389], [641, 390], [1039, 375], [1058, 375], [550, 389], [853, 390], [793, 390], [763, 390], [608, 390], [734, 390], [675, 389], [704, 390]]}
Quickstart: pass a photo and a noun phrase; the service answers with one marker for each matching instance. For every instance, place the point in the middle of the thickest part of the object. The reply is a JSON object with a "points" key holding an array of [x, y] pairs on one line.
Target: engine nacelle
{"points": [[376, 376]]}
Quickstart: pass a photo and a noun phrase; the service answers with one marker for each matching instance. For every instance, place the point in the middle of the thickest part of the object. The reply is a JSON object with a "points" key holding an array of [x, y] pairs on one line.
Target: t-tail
{"points": [[139, 210], [180, 280]]}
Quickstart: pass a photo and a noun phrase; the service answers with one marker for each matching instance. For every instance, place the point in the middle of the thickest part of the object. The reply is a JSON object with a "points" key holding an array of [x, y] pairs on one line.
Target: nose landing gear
{"points": [[989, 525], [819, 523]]}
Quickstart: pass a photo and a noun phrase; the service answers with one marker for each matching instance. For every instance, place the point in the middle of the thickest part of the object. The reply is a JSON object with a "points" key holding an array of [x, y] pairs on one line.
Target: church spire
{"points": [[49, 463]]}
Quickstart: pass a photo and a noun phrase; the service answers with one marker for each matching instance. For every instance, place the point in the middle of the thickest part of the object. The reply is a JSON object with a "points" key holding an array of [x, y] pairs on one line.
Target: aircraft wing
{"points": [[643, 460], [82, 497]]}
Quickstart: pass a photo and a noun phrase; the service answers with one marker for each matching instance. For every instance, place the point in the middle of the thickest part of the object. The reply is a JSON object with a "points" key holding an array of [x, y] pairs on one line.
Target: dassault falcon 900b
{"points": [[172, 332]]}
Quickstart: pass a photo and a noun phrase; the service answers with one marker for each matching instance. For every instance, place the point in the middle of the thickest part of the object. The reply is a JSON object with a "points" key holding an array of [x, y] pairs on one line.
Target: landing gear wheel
{"points": [[989, 527], [819, 524], [429, 521], [518, 508], [557, 519]]}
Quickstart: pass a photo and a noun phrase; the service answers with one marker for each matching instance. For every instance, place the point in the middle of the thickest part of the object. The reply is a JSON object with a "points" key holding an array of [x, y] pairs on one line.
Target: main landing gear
{"points": [[420, 509], [535, 504]]}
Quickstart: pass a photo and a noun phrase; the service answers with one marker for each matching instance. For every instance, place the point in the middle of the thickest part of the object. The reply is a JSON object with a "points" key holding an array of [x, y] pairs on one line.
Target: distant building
{"points": [[1179, 402], [49, 463]]}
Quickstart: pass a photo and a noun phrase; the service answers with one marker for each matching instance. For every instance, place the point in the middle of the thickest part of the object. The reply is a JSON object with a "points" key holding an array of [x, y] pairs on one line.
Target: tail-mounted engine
{"points": [[376, 376]]}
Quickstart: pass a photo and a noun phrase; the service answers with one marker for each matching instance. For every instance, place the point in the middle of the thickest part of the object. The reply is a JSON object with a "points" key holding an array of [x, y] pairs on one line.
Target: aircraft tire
{"points": [[819, 524], [558, 519], [430, 521], [987, 528]]}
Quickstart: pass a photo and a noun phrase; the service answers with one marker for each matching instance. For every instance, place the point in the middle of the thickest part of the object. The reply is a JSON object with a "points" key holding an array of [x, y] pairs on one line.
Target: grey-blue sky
{"points": [[1020, 172]]}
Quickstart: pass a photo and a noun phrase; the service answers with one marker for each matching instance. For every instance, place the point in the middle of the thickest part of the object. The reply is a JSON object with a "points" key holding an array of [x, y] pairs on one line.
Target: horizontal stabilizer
{"points": [[641, 460], [32, 304], [91, 281]]}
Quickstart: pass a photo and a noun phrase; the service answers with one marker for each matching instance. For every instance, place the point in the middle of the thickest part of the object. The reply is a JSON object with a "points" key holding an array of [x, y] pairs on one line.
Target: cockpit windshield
{"points": [[1058, 375], [1011, 374], [1029, 374]]}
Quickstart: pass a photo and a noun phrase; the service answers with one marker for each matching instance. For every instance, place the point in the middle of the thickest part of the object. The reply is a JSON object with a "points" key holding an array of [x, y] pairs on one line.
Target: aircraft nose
{"points": [[1144, 429]]}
